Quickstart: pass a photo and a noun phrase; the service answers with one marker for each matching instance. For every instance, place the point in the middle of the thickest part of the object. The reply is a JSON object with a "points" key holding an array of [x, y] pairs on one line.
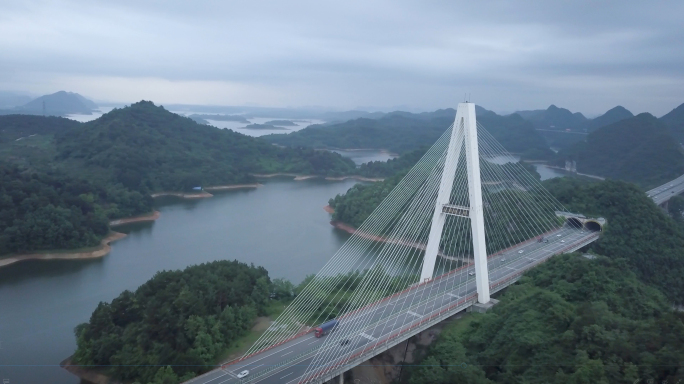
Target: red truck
{"points": [[326, 328]]}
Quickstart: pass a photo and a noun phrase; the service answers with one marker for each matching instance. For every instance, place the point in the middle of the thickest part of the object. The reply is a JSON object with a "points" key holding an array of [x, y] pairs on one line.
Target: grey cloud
{"points": [[510, 54]]}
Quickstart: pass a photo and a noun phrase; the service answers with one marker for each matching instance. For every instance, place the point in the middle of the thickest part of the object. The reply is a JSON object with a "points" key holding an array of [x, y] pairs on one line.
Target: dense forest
{"points": [[640, 150], [640, 233], [63, 179], [674, 121], [402, 131], [181, 319], [570, 320], [42, 211], [145, 147]]}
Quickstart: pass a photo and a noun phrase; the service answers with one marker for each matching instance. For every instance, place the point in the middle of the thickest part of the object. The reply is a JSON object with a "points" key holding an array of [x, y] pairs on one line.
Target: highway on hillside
{"points": [[666, 191], [455, 291]]}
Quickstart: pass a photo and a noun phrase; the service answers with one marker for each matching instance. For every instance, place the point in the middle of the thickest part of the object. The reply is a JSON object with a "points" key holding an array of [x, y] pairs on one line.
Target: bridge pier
{"points": [[483, 307]]}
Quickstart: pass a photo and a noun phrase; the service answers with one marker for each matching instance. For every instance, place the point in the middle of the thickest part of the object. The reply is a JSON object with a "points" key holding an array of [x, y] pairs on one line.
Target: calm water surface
{"points": [[281, 226]]}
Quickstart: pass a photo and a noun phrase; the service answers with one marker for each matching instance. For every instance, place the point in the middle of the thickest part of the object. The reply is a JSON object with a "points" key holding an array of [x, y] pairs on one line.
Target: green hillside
{"points": [[639, 149], [61, 181], [674, 120], [569, 320], [402, 131], [146, 147]]}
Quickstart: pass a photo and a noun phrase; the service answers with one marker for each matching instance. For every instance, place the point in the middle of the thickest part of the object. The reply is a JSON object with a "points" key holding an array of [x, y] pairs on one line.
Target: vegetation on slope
{"points": [[402, 131], [147, 148], [40, 211], [570, 320], [639, 149], [128, 154], [183, 320], [674, 121], [640, 233]]}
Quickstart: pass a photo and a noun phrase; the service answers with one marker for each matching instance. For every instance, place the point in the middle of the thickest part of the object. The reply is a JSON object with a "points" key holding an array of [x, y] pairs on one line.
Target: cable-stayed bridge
{"points": [[462, 224]]}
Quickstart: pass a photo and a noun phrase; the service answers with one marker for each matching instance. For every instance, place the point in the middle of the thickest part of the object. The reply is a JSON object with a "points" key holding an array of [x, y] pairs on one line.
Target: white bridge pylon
{"points": [[463, 138]]}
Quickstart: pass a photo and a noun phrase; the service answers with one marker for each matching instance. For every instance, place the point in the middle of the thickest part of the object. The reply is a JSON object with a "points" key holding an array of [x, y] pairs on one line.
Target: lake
{"points": [[281, 226]]}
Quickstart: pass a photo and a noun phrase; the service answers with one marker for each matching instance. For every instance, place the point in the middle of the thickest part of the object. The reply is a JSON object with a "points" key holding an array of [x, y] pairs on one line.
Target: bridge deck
{"points": [[664, 192], [393, 320]]}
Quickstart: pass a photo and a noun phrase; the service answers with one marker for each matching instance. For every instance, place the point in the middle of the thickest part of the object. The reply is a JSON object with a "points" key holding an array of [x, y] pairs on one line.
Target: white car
{"points": [[243, 374], [503, 259], [562, 241], [521, 251], [471, 273], [558, 235]]}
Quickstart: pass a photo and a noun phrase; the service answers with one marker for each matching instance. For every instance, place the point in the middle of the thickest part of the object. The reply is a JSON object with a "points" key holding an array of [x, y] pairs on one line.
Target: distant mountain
{"points": [[555, 118], [58, 104], [675, 122], [12, 99], [404, 131], [612, 116], [639, 149]]}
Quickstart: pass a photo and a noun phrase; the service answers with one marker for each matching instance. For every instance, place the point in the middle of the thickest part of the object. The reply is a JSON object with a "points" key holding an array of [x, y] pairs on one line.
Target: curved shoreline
{"points": [[298, 177], [102, 250], [204, 194], [136, 219]]}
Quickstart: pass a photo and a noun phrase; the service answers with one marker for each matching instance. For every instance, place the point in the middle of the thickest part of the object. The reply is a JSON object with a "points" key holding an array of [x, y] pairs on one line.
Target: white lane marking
{"points": [[511, 268], [369, 337], [286, 353], [452, 295], [286, 375], [414, 314], [315, 341], [218, 377]]}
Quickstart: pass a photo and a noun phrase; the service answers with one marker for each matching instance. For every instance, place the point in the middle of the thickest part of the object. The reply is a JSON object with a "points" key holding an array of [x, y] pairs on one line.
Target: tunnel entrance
{"points": [[593, 226], [574, 222]]}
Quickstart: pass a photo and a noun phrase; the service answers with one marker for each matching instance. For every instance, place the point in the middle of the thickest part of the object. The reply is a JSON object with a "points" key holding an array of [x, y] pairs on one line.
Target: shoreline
{"points": [[298, 177], [136, 219], [85, 374], [381, 150], [576, 173], [102, 250], [204, 193], [182, 195], [353, 231]]}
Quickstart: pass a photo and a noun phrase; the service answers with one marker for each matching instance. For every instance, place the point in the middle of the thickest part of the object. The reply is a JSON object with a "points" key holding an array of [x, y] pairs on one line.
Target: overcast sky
{"points": [[509, 55]]}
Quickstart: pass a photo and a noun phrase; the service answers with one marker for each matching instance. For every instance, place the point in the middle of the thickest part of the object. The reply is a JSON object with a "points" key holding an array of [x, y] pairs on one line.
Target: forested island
{"points": [[176, 325], [282, 123], [265, 126], [63, 179]]}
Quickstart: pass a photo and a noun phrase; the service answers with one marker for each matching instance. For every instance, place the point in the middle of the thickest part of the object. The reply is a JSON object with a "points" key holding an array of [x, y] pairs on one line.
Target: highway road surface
{"points": [[380, 323], [666, 191]]}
